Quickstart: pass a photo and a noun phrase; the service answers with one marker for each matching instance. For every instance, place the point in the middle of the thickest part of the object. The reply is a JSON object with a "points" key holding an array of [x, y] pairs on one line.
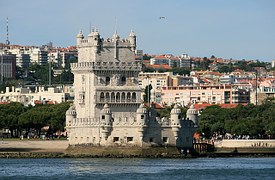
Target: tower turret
{"points": [[141, 115], [132, 39], [70, 118], [192, 114], [115, 39], [79, 37], [94, 39], [105, 121], [175, 116], [175, 120]]}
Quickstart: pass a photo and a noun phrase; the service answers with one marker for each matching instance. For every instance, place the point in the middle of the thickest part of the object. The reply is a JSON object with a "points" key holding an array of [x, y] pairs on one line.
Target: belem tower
{"points": [[108, 108]]}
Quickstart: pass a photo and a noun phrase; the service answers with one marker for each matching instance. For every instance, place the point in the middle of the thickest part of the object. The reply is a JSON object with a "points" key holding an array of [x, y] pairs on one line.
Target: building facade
{"points": [[212, 94], [108, 108], [7, 66]]}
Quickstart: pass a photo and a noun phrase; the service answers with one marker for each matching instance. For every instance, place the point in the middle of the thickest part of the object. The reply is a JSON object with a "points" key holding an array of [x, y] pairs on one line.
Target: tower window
{"points": [[130, 139], [116, 139], [108, 81], [123, 80], [142, 116], [165, 139], [102, 117]]}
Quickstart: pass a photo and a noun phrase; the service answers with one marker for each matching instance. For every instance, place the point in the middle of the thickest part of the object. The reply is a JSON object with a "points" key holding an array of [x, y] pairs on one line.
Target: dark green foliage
{"points": [[255, 121], [147, 96], [180, 71], [16, 117]]}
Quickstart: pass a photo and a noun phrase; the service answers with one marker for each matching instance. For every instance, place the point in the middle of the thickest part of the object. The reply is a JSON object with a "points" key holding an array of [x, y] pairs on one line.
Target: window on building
{"points": [[130, 139], [102, 99], [142, 116], [165, 139], [108, 81], [151, 139], [123, 80], [103, 117], [116, 139]]}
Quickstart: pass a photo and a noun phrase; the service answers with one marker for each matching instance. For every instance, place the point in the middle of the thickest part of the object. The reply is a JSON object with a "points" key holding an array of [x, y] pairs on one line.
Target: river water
{"points": [[138, 168]]}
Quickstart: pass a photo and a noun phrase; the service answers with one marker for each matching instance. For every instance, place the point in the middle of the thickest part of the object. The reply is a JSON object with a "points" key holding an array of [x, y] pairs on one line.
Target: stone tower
{"points": [[106, 86], [108, 108]]}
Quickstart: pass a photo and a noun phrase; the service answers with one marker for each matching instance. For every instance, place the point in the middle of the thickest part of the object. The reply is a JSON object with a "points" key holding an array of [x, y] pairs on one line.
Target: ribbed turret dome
{"points": [[106, 109], [80, 35], [191, 111], [176, 110], [142, 109], [71, 111], [116, 36]]}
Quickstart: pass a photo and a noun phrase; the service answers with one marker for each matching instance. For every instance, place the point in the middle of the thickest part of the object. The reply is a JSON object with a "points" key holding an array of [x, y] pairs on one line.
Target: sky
{"points": [[237, 29]]}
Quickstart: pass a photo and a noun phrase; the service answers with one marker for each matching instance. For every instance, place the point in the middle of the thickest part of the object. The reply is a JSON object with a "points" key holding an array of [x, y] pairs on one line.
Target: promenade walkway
{"points": [[33, 145]]}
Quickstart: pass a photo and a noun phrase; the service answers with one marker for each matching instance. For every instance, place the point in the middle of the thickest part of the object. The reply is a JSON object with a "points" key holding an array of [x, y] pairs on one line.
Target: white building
{"points": [[39, 96], [108, 108], [39, 56], [22, 58]]}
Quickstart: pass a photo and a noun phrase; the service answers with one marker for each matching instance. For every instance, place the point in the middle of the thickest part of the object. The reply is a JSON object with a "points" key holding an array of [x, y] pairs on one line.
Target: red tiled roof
{"points": [[159, 66], [205, 105], [4, 102], [37, 102], [160, 57]]}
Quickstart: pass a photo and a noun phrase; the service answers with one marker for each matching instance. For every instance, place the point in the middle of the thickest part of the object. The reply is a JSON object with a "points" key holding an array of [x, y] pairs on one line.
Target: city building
{"points": [[22, 58], [7, 66], [40, 95], [39, 56], [212, 94], [184, 61], [108, 108]]}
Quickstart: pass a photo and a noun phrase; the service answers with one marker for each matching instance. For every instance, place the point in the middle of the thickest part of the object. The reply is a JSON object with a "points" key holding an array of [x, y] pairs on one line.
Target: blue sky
{"points": [[239, 29]]}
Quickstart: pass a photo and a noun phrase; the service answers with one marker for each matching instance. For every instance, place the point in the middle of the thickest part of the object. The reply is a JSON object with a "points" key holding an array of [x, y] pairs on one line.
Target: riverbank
{"points": [[61, 149]]}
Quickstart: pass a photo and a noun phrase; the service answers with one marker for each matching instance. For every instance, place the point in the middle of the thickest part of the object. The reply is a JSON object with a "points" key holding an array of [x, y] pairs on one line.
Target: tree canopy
{"points": [[252, 120], [16, 117]]}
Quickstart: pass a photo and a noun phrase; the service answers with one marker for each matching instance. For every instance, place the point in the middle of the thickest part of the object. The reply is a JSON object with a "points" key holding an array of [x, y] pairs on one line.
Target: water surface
{"points": [[138, 168]]}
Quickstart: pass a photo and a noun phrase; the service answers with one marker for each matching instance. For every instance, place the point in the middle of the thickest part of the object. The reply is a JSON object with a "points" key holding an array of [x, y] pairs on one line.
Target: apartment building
{"points": [[7, 66], [41, 95], [212, 94]]}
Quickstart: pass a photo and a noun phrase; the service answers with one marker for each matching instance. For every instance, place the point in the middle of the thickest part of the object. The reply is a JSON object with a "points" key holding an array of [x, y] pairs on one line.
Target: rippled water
{"points": [[100, 168]]}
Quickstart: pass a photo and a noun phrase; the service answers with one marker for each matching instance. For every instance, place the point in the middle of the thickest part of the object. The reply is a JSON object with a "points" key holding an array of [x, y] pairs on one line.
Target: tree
{"points": [[147, 96], [9, 114], [180, 71], [224, 69]]}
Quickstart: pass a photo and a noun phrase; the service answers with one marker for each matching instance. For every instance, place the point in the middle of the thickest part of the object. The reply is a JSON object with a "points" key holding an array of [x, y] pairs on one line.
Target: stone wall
{"points": [[233, 143]]}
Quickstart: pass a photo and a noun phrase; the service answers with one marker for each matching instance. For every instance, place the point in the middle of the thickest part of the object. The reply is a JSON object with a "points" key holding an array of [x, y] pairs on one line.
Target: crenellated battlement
{"points": [[107, 66]]}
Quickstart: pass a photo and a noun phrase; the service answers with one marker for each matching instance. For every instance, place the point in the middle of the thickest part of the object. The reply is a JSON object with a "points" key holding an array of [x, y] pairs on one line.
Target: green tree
{"points": [[147, 95]]}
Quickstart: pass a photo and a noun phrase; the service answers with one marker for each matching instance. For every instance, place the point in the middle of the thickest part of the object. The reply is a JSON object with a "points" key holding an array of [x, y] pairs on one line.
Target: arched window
{"points": [[134, 97], [128, 97], [112, 97], [123, 97], [102, 98], [123, 80], [108, 80], [117, 97], [107, 97]]}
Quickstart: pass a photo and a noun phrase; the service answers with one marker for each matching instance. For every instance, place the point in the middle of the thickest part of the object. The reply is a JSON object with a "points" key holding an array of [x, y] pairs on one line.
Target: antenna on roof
{"points": [[7, 31]]}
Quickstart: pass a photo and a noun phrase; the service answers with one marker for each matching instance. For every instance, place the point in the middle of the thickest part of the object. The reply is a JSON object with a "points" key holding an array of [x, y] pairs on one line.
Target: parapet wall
{"points": [[233, 143]]}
